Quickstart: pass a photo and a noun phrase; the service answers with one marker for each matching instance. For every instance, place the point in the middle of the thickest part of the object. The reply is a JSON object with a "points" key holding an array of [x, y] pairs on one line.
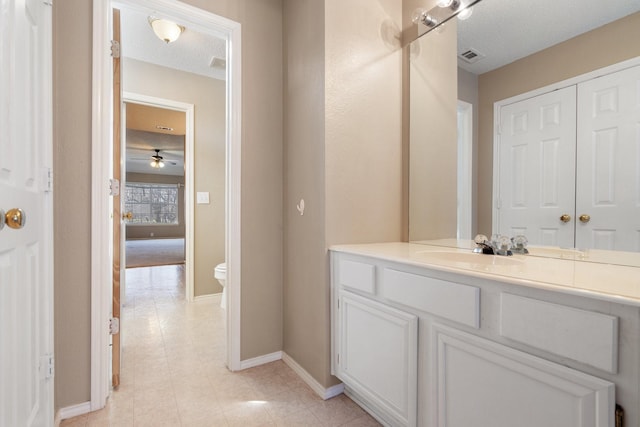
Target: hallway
{"points": [[173, 371]]}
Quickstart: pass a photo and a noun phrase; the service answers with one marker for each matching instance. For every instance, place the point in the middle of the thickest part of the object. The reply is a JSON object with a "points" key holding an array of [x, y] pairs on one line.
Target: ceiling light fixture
{"points": [[421, 16], [166, 31], [156, 160]]}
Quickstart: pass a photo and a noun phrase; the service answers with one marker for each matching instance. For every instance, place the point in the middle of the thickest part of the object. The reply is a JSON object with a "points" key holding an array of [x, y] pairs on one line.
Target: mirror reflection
{"points": [[561, 82]]}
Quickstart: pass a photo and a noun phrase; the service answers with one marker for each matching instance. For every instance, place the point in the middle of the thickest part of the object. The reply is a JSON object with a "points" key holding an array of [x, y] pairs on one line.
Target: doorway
{"points": [[175, 233], [208, 23]]}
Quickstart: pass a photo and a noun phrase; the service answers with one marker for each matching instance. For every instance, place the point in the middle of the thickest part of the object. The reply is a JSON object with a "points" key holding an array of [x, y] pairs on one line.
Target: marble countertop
{"points": [[616, 283]]}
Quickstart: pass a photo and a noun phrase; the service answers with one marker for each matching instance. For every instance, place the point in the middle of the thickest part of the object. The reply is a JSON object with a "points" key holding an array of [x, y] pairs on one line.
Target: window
{"points": [[152, 203]]}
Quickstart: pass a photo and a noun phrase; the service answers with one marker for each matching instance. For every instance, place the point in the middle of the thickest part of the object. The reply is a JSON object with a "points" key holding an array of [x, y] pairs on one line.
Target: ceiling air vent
{"points": [[470, 56], [219, 63]]}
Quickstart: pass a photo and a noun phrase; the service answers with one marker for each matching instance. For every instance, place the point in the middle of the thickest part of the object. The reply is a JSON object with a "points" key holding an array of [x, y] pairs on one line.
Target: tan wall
{"points": [[343, 132], [363, 121], [72, 200], [596, 49], [208, 97], [305, 306], [262, 177], [160, 231], [433, 130]]}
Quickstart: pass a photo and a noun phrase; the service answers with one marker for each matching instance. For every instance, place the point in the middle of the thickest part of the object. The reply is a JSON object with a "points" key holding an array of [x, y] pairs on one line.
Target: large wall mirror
{"points": [[503, 112]]}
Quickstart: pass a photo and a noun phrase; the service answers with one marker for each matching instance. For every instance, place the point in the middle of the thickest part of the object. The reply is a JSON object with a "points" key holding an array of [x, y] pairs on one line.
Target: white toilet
{"points": [[220, 273]]}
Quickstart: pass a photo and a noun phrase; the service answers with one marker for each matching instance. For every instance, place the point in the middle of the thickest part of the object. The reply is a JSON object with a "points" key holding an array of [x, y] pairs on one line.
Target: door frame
{"points": [[102, 204], [189, 173], [465, 170], [497, 106]]}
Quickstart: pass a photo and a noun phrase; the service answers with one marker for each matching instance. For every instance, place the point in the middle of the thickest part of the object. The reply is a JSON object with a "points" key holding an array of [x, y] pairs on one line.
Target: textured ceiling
{"points": [[192, 52], [143, 138], [506, 30]]}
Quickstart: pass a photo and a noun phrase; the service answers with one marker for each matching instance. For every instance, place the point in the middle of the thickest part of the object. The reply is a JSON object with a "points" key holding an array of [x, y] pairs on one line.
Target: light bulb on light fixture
{"points": [[166, 30], [421, 16], [445, 3], [465, 13]]}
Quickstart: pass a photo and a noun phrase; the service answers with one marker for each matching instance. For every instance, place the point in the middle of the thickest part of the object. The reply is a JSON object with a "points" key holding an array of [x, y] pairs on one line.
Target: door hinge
{"points": [[47, 366], [498, 203], [338, 359], [114, 326], [47, 180], [115, 48], [114, 187]]}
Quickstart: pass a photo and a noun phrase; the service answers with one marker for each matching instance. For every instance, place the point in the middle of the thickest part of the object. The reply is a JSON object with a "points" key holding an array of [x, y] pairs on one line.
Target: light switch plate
{"points": [[202, 197]]}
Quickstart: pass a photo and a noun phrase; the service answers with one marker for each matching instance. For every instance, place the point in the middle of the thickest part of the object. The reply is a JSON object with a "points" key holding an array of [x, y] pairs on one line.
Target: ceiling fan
{"points": [[157, 160]]}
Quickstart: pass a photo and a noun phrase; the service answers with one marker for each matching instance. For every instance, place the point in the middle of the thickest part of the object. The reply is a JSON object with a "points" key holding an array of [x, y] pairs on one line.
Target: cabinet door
{"points": [[536, 168], [484, 384], [608, 161], [377, 356]]}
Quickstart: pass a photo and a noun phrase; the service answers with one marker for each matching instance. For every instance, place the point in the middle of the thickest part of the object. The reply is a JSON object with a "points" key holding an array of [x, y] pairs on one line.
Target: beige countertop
{"points": [[600, 280]]}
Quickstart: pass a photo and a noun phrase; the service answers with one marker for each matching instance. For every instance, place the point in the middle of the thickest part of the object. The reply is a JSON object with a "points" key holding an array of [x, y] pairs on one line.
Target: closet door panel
{"points": [[608, 162], [536, 168]]}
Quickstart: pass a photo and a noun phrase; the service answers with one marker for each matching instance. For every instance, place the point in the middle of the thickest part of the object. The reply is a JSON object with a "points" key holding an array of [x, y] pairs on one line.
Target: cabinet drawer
{"points": [[453, 301], [580, 335], [357, 275]]}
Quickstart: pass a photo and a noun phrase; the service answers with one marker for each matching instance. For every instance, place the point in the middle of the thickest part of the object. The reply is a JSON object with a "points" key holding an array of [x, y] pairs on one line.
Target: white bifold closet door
{"points": [[569, 165]]}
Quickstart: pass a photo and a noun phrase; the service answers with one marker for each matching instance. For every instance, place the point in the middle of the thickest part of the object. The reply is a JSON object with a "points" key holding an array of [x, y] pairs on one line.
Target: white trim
{"points": [[233, 198], [465, 169], [324, 393], [260, 360], [208, 297], [72, 411], [526, 95], [101, 274], [189, 146], [101, 204]]}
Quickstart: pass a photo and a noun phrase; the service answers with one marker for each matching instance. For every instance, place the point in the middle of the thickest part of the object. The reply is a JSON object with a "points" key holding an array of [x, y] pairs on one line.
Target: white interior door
{"points": [[26, 297], [608, 162], [537, 143]]}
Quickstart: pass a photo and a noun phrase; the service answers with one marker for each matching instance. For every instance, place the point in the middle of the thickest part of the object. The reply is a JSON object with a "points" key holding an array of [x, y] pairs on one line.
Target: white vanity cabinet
{"points": [[377, 355], [413, 347], [375, 346]]}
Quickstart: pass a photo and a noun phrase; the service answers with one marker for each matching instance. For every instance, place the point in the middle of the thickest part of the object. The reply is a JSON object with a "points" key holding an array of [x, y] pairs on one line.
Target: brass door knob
{"points": [[128, 215], [584, 218], [565, 217], [15, 218]]}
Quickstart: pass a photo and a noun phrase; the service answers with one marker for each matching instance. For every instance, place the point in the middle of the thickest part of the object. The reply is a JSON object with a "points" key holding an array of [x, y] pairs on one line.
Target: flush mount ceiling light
{"points": [[166, 31], [156, 160]]}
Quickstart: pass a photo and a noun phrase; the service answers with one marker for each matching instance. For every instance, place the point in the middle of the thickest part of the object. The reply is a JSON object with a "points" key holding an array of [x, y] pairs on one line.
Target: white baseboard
{"points": [[260, 360], [324, 393], [208, 297], [72, 411]]}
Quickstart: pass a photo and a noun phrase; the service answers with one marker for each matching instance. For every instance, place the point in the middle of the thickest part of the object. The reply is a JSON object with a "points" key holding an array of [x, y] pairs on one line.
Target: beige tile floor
{"points": [[173, 371]]}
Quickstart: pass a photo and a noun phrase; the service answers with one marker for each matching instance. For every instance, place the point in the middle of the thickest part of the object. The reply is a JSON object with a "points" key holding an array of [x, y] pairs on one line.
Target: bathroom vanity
{"points": [[432, 336]]}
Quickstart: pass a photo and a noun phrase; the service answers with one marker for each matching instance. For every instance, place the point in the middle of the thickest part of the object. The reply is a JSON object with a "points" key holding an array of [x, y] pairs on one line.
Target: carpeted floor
{"points": [[150, 252]]}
